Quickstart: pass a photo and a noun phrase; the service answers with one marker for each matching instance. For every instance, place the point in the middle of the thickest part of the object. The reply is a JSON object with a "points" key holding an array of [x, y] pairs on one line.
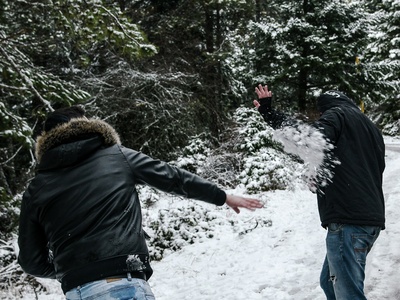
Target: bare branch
{"points": [[11, 158]]}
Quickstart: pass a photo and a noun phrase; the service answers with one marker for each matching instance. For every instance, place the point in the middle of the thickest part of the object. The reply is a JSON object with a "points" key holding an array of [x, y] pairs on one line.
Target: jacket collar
{"points": [[331, 99], [77, 129]]}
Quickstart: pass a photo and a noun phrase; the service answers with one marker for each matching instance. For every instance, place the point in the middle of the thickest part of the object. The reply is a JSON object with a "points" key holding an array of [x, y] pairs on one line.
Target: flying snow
{"points": [[308, 143]]}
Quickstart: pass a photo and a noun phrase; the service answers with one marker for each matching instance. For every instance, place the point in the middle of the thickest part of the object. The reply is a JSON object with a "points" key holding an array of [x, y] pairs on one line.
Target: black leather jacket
{"points": [[83, 206], [354, 194]]}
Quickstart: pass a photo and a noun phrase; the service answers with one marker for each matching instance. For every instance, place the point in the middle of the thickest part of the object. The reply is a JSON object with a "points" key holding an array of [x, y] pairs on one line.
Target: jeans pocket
{"points": [[334, 227], [362, 244]]}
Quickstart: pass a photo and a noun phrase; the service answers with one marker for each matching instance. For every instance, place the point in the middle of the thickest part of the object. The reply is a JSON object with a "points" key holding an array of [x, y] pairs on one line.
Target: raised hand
{"points": [[262, 93]]}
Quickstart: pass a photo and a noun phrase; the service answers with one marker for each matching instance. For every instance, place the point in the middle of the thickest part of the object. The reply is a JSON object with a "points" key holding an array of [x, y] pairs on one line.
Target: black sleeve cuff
{"points": [[267, 102], [220, 198]]}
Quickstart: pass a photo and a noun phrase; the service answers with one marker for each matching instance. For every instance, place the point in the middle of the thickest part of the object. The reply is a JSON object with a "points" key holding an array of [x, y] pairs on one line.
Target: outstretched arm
{"points": [[235, 202], [177, 181]]}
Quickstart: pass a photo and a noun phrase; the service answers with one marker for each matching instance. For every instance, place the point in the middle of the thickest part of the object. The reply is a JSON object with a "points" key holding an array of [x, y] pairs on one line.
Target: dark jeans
{"points": [[343, 272]]}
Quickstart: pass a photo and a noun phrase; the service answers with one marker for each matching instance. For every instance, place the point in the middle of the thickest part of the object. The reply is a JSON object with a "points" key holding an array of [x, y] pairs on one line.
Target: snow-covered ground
{"points": [[280, 259]]}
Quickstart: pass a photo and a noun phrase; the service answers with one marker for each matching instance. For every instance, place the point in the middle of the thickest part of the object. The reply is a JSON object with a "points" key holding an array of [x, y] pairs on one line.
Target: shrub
{"points": [[248, 155], [172, 229]]}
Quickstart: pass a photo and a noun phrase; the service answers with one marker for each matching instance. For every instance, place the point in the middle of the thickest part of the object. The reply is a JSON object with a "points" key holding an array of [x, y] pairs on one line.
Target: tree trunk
{"points": [[209, 28], [303, 72], [302, 90], [3, 181]]}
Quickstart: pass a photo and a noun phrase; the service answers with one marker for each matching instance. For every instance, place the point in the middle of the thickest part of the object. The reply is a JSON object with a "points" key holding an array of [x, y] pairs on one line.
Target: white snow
{"points": [[277, 260], [305, 141]]}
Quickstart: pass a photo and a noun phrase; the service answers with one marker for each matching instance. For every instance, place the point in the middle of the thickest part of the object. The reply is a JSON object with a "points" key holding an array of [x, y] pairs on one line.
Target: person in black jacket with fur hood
{"points": [[81, 220], [351, 206]]}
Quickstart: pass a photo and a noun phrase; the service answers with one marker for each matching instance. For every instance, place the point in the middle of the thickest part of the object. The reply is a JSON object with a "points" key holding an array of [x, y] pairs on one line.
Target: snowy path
{"points": [[383, 276], [277, 262], [282, 261]]}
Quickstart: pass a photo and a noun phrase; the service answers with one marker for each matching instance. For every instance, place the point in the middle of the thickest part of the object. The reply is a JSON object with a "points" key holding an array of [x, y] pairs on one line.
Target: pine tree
{"points": [[301, 48], [45, 48], [191, 38], [384, 64]]}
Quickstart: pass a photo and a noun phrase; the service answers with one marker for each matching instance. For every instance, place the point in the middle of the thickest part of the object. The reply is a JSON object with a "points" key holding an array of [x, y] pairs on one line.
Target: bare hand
{"points": [[262, 92], [235, 202]]}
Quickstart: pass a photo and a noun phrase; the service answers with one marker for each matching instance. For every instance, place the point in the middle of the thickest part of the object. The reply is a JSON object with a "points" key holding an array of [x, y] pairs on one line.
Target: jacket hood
{"points": [[330, 99], [72, 138]]}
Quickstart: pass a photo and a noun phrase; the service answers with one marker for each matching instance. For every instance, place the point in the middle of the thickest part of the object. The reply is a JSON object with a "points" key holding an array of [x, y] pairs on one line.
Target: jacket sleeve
{"points": [[33, 254], [274, 118], [170, 179], [331, 124]]}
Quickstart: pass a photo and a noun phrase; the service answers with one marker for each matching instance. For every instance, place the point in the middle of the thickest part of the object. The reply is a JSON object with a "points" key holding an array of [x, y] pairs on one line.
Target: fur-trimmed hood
{"points": [[77, 129]]}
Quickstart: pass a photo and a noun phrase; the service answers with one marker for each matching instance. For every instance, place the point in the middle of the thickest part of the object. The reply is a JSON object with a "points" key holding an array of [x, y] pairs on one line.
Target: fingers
{"points": [[252, 202], [249, 203], [262, 91], [256, 103]]}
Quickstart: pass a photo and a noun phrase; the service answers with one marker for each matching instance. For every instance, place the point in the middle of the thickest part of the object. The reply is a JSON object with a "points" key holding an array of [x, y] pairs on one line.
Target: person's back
{"points": [[84, 198], [355, 194]]}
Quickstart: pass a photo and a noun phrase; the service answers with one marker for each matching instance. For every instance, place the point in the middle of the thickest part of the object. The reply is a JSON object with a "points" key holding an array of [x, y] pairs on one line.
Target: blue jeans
{"points": [[107, 289], [343, 272]]}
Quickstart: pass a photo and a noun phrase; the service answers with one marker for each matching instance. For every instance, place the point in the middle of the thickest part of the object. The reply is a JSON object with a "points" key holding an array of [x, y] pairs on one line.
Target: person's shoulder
{"points": [[337, 109], [333, 112], [126, 151], [112, 150]]}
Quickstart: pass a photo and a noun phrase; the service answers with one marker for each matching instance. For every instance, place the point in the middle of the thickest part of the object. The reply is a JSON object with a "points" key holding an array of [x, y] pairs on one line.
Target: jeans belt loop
{"points": [[129, 276]]}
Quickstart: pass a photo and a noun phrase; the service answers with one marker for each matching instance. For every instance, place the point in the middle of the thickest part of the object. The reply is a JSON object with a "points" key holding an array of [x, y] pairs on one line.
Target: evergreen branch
{"points": [[120, 25], [12, 87], [26, 80]]}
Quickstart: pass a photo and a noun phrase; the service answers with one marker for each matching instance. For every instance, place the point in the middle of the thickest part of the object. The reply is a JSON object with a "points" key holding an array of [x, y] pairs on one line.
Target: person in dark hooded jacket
{"points": [[351, 206], [81, 220]]}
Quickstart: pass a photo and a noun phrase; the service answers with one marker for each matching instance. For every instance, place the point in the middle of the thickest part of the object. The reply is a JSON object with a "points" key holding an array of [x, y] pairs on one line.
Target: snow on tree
{"points": [[384, 56], [300, 48]]}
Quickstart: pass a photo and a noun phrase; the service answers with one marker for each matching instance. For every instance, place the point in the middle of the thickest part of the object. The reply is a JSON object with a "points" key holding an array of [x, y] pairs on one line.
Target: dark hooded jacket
{"points": [[80, 217], [354, 195]]}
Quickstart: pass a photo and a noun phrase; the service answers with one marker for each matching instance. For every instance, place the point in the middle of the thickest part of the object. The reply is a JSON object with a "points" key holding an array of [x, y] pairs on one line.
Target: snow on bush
{"points": [[219, 165], [269, 170], [194, 155], [249, 156], [173, 228], [265, 165], [13, 281], [174, 223]]}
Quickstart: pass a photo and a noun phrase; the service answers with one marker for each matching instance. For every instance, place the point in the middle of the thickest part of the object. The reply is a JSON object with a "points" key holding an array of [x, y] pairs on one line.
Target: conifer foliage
{"points": [[303, 47]]}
